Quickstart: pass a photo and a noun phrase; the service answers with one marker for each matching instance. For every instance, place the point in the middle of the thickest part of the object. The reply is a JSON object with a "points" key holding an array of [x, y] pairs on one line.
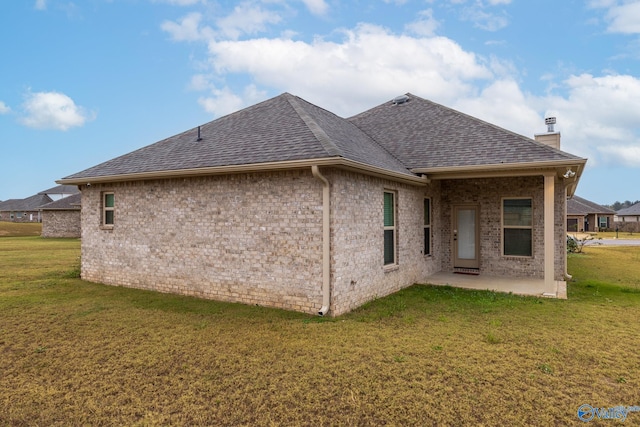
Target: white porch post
{"points": [[549, 232]]}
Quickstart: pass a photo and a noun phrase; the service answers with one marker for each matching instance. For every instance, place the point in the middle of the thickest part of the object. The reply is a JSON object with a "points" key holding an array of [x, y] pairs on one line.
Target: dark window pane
{"points": [[389, 247], [427, 212], [517, 242], [518, 212], [109, 200], [388, 210], [427, 241], [108, 217]]}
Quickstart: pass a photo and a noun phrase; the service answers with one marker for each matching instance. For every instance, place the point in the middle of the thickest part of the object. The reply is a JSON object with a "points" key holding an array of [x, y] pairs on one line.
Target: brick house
{"points": [[285, 204], [61, 218], [584, 216], [628, 219], [23, 210]]}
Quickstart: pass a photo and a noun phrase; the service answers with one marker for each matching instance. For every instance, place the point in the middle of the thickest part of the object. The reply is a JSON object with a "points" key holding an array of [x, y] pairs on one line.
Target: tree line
{"points": [[622, 205]]}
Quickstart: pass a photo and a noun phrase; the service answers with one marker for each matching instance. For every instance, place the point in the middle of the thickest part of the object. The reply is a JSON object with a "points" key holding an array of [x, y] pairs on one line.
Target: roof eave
{"points": [[500, 170], [339, 162]]}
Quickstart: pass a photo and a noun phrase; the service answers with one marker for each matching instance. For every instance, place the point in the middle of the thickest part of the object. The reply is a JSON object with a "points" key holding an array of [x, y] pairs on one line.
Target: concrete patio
{"points": [[515, 285]]}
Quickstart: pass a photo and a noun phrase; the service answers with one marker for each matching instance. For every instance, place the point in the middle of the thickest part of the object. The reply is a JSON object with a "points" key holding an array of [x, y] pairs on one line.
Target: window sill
{"points": [[391, 267], [106, 227]]}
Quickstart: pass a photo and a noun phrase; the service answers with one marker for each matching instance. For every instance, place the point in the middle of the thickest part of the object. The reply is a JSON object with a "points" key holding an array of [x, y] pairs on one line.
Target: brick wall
{"points": [[61, 223], [250, 238], [257, 238], [357, 264]]}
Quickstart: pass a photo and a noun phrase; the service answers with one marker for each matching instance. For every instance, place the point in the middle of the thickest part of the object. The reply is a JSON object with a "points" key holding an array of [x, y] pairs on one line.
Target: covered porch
{"points": [[515, 285]]}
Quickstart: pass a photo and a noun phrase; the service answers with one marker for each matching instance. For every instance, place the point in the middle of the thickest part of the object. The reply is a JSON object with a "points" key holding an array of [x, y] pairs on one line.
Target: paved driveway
{"points": [[616, 242]]}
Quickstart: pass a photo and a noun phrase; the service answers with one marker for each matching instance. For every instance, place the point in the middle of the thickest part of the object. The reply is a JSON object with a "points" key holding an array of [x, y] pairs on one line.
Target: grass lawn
{"points": [[78, 353], [610, 235]]}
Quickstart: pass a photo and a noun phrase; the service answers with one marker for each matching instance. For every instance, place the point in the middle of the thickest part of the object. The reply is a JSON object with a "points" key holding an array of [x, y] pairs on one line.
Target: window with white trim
{"points": [[389, 228], [108, 209], [604, 222], [517, 227], [427, 226]]}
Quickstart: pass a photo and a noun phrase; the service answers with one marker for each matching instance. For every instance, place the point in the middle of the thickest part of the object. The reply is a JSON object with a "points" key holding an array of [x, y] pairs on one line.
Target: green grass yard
{"points": [[78, 353]]}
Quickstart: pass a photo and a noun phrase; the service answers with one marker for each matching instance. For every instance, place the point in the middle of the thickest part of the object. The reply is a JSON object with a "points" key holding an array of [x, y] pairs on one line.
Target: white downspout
{"points": [[326, 241]]}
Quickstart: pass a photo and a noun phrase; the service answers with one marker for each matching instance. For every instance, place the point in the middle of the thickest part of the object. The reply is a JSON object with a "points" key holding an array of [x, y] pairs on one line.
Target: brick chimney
{"points": [[551, 138]]}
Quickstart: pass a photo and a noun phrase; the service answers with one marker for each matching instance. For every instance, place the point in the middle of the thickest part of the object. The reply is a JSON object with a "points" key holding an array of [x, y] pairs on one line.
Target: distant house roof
{"points": [[29, 204], [287, 131], [630, 211], [579, 206], [61, 189], [65, 204]]}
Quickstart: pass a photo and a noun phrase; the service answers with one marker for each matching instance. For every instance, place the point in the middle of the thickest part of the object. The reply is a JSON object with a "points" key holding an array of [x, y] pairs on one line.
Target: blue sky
{"points": [[85, 81]]}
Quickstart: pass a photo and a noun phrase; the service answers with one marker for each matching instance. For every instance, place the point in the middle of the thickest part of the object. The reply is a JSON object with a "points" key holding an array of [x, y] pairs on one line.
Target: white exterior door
{"points": [[466, 237]]}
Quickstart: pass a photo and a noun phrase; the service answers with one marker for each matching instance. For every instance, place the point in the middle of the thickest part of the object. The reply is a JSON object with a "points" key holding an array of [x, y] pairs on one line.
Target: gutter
{"points": [[326, 241], [499, 168], [338, 162]]}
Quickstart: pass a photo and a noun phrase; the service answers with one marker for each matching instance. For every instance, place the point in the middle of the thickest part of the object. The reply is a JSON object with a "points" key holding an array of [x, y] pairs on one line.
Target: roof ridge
{"points": [[313, 126]]}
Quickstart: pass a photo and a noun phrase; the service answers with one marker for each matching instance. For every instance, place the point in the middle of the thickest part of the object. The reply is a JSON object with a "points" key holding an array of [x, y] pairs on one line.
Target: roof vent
{"points": [[400, 99], [550, 121], [199, 137]]}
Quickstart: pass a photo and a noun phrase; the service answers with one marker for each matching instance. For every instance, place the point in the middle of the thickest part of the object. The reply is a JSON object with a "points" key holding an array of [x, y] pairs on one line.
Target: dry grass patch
{"points": [[16, 229], [77, 353]]}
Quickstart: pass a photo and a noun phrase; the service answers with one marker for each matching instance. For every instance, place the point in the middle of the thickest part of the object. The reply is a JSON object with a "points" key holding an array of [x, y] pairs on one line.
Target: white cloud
{"points": [[179, 2], [370, 64], [599, 117], [425, 25], [504, 104], [200, 82], [484, 20], [188, 28], [317, 7], [224, 101], [53, 110], [625, 18], [246, 19], [41, 5], [627, 155], [4, 108]]}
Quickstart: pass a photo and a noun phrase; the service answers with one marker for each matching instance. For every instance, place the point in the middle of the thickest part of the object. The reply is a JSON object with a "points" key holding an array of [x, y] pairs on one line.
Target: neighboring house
{"points": [[585, 216], [628, 219], [61, 191], [285, 204], [61, 218], [23, 210]]}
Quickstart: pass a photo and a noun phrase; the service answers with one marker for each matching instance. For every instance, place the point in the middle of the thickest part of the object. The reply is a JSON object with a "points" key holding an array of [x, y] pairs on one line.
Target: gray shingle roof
{"points": [[397, 138], [579, 206], [631, 210], [65, 204], [29, 204], [423, 134], [61, 189], [280, 129]]}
